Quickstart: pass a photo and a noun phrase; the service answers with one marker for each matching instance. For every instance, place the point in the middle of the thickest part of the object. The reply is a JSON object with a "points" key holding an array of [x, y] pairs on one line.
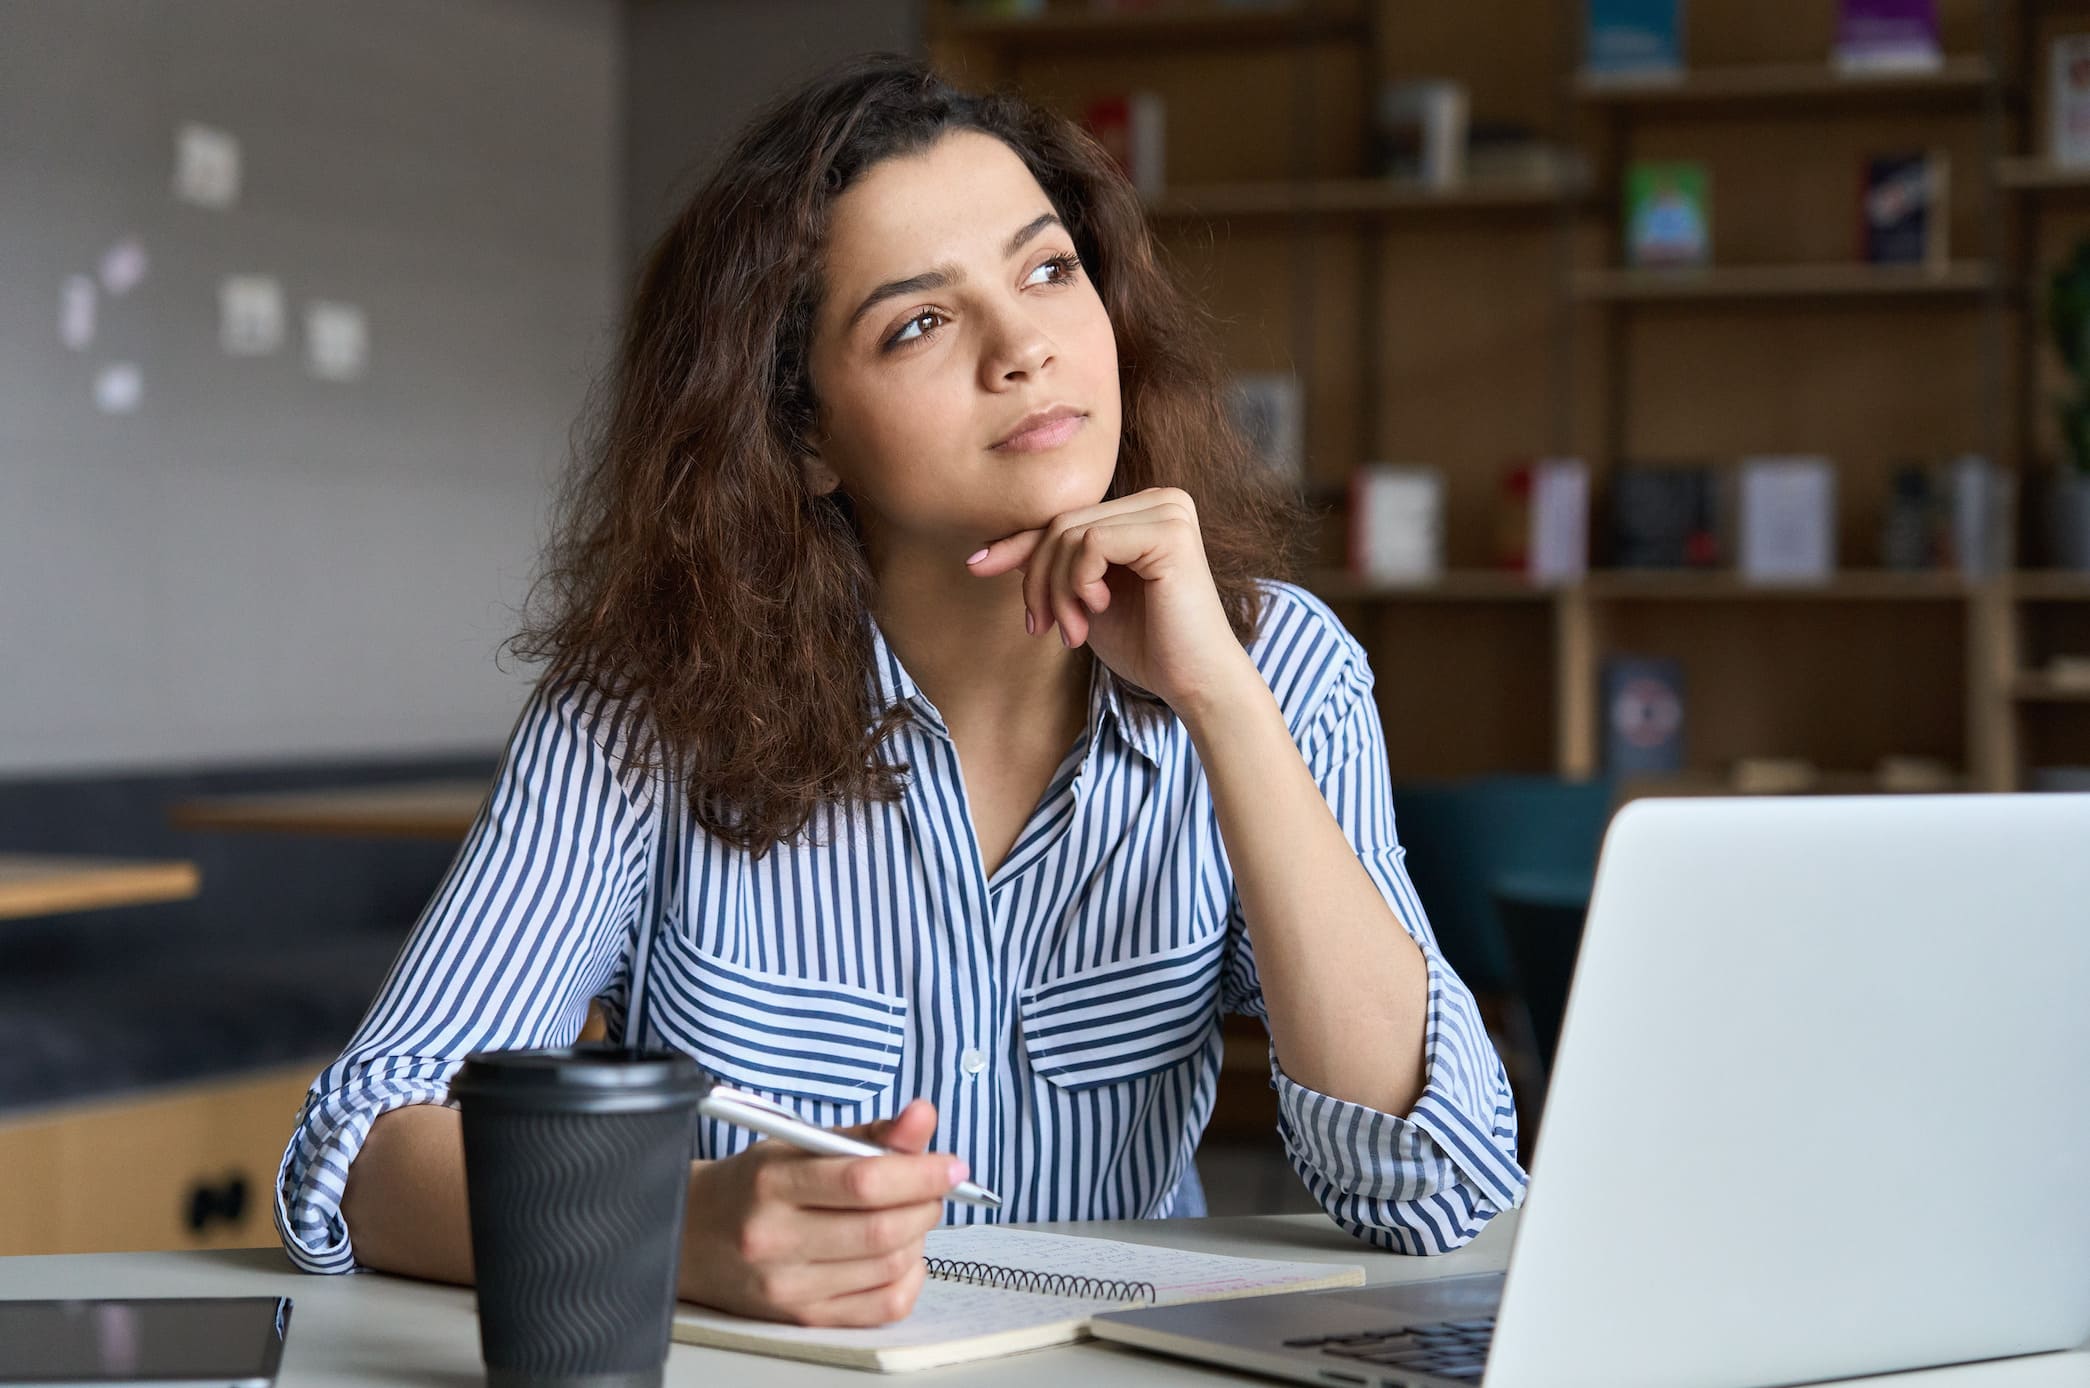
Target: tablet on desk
{"points": [[174, 1341]]}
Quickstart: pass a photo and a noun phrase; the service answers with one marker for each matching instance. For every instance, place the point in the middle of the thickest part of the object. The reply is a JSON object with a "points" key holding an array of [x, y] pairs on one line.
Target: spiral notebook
{"points": [[993, 1290]]}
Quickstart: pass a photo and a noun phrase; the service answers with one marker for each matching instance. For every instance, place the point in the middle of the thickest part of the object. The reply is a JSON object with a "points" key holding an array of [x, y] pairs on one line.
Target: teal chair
{"points": [[1464, 836], [1503, 864]]}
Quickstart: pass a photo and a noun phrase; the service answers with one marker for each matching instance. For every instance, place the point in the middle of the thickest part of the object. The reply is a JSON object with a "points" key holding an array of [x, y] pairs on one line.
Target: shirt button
{"points": [[973, 1061]]}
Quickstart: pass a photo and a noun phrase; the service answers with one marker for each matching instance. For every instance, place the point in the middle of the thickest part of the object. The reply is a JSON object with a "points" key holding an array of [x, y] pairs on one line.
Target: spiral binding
{"points": [[1046, 1283]]}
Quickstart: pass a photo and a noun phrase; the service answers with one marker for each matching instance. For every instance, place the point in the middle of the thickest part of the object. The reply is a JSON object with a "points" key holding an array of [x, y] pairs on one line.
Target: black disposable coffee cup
{"points": [[577, 1169]]}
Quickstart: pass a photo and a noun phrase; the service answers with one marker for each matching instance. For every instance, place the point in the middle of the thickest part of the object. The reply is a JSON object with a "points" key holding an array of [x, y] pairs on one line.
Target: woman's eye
{"points": [[900, 339], [1065, 264]]}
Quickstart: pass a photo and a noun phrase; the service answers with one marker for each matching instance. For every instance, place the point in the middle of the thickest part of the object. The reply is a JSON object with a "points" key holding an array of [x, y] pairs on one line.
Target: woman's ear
{"points": [[820, 479]]}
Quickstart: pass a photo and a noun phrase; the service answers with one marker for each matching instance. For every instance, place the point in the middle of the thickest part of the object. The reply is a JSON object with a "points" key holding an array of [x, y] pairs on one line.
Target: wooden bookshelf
{"points": [[1493, 322], [2050, 585], [1757, 87], [1824, 281], [2035, 174], [1167, 25], [2045, 689], [1850, 585], [1470, 585], [1364, 197]]}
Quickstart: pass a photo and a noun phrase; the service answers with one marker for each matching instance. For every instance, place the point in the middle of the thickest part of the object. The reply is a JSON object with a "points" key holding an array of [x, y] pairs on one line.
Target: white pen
{"points": [[757, 1114]]}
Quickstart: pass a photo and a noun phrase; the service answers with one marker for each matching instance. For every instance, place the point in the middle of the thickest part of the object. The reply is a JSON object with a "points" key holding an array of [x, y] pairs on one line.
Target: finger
{"points": [[847, 1236], [1009, 552], [909, 1130], [801, 1284], [1066, 604], [878, 1306], [862, 1183], [1037, 583]]}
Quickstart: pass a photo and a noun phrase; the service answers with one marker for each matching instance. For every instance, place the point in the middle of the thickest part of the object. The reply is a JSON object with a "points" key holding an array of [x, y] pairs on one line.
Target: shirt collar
{"points": [[1140, 723]]}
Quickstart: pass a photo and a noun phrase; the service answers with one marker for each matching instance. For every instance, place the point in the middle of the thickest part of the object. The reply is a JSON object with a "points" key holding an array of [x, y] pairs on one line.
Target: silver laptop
{"points": [[1821, 1108]]}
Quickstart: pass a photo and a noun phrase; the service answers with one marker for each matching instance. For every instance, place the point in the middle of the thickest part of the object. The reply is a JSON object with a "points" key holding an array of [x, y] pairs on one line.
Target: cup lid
{"points": [[591, 1069]]}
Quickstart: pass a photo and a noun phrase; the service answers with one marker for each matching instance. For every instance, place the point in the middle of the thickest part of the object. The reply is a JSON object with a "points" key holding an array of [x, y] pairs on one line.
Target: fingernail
{"points": [[1030, 627], [1064, 640], [977, 556], [959, 1171]]}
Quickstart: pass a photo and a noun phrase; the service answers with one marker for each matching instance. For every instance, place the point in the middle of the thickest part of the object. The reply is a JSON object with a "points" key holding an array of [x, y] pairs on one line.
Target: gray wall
{"points": [[697, 70], [258, 563]]}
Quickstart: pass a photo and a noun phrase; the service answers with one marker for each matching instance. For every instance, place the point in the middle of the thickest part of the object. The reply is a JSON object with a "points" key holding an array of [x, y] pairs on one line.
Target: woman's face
{"points": [[953, 308]]}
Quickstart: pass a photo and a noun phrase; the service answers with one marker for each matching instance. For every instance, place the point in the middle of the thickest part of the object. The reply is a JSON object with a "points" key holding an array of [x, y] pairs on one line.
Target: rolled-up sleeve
{"points": [[534, 917], [1429, 1180]]}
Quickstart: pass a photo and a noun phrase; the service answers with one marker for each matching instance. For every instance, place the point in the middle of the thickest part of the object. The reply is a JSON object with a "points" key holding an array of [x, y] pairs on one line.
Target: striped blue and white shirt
{"points": [[1062, 1012]]}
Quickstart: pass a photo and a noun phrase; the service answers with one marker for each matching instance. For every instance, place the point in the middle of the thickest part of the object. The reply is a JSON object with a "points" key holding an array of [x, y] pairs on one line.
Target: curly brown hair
{"points": [[695, 581]]}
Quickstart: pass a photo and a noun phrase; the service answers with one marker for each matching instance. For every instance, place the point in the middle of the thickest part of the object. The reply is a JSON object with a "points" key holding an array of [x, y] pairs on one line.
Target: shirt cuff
{"points": [[1463, 1128], [314, 1170]]}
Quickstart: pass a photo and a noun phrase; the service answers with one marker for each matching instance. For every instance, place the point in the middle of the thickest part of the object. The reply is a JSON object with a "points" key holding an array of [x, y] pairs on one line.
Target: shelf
{"points": [[1165, 24], [2050, 585], [2045, 689], [1959, 78], [2032, 174], [1829, 280], [1699, 783], [1362, 197], [1457, 585], [1646, 585], [1851, 585]]}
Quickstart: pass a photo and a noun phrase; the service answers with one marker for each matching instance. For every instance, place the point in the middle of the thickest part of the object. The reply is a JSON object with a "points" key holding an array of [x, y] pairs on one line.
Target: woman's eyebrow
{"points": [[945, 274]]}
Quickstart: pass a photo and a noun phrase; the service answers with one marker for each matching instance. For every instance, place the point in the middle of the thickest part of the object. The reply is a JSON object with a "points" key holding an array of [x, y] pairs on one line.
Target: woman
{"points": [[917, 662]]}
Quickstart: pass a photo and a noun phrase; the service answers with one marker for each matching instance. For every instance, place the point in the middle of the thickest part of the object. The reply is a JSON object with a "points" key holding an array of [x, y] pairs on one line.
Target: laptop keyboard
{"points": [[1448, 1349]]}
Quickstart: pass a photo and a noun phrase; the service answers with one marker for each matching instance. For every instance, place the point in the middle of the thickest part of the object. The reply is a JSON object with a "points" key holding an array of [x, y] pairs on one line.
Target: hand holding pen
{"points": [[815, 1239]]}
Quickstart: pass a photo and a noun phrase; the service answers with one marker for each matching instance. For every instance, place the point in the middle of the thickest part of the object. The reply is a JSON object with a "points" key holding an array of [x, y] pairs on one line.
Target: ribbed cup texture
{"points": [[576, 1236]]}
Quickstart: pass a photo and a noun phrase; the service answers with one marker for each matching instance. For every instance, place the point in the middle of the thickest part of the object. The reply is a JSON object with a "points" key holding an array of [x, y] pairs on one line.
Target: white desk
{"points": [[368, 1328]]}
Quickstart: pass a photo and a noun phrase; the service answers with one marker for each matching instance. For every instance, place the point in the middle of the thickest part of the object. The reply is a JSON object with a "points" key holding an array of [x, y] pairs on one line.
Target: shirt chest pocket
{"points": [[781, 1034], [1109, 1022]]}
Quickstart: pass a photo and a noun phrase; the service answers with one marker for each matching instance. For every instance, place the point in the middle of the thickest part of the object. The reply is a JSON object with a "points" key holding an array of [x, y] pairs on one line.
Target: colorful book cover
{"points": [[2068, 100], [1668, 213], [1903, 210], [1129, 127], [1887, 36], [1634, 38], [1643, 716]]}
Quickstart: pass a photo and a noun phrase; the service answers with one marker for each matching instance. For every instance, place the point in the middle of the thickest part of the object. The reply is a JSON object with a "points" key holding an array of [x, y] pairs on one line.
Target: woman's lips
{"points": [[1048, 435]]}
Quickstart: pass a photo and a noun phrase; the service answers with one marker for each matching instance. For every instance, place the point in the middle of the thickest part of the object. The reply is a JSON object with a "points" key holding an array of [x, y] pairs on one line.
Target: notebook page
{"points": [[953, 1322], [944, 1313], [1177, 1274]]}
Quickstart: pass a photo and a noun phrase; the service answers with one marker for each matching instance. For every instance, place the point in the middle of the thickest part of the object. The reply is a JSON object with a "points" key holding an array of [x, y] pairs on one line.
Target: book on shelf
{"points": [[1668, 213], [1633, 38], [1267, 407], [1421, 131], [1874, 36], [1914, 527], [1665, 516], [1903, 210], [1787, 518], [1984, 516], [1131, 128], [1513, 152], [1643, 716], [1545, 532], [1002, 9], [1397, 522], [1960, 515], [2068, 100], [993, 1290]]}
